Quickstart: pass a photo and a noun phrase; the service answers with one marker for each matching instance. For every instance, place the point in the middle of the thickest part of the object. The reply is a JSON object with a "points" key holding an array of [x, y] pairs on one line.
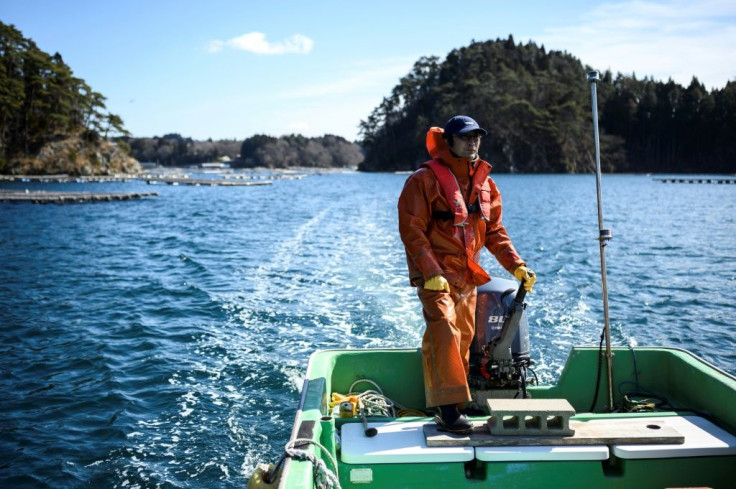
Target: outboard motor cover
{"points": [[494, 301]]}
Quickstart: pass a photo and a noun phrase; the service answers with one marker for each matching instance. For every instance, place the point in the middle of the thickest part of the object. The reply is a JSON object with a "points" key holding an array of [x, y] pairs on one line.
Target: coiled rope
{"points": [[374, 402]]}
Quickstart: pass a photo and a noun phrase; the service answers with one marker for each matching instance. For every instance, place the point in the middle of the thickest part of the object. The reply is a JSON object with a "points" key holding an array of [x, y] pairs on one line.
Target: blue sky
{"points": [[234, 68]]}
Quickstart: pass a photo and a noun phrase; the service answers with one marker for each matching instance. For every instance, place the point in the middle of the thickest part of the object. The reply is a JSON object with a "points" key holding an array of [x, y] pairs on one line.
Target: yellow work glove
{"points": [[438, 282], [527, 276]]}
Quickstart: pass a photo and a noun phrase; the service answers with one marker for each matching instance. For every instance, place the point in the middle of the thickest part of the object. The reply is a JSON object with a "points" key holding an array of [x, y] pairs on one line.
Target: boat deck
{"points": [[696, 411], [407, 442], [399, 452]]}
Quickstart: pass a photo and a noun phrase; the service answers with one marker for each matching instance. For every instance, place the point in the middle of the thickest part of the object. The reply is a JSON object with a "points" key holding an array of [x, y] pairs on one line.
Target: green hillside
{"points": [[50, 120], [536, 107]]}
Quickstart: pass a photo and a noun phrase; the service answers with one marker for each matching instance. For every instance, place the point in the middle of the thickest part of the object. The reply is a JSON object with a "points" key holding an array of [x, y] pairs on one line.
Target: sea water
{"points": [[162, 342]]}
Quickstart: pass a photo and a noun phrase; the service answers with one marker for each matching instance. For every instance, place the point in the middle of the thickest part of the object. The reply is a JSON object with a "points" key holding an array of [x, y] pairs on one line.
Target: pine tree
{"points": [[41, 101]]}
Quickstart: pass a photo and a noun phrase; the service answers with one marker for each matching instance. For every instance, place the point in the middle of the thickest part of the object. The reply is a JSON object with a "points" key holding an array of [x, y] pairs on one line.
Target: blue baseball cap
{"points": [[462, 124]]}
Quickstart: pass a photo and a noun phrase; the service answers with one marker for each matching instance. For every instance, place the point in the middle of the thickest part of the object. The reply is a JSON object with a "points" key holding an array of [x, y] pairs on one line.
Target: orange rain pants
{"points": [[450, 319]]}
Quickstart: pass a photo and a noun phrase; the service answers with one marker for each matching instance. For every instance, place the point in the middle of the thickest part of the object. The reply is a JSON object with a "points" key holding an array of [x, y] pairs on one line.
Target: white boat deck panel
{"points": [[404, 442], [396, 443], [702, 439]]}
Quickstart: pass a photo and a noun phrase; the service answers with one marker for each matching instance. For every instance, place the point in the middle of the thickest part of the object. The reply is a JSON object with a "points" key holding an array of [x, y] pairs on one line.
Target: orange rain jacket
{"points": [[438, 246]]}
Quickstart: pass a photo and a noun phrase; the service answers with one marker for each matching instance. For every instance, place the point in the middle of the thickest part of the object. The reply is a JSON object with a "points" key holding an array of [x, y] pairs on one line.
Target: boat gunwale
{"points": [[578, 347]]}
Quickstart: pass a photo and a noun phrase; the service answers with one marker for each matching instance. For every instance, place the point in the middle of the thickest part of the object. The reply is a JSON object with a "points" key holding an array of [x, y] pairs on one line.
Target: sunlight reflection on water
{"points": [[162, 342]]}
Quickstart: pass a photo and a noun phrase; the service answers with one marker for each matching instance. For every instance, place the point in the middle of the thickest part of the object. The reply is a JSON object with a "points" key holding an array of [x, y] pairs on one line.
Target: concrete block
{"points": [[530, 417]]}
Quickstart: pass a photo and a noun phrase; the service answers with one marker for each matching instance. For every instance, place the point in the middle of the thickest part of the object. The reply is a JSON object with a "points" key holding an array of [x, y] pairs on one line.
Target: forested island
{"points": [[51, 121], [535, 105], [257, 151]]}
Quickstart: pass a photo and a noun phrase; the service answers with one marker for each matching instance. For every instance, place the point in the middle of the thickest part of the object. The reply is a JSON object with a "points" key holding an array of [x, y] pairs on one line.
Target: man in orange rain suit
{"points": [[448, 210]]}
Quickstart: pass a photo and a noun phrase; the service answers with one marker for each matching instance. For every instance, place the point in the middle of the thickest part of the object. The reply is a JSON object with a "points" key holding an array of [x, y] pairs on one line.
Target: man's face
{"points": [[466, 145]]}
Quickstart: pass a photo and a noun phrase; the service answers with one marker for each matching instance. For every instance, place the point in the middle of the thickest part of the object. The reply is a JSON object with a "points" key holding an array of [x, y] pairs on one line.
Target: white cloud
{"points": [[215, 46], [255, 42], [664, 39]]}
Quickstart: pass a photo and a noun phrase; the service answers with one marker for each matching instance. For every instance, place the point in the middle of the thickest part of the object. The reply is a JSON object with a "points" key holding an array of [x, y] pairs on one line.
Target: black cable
{"points": [[522, 374], [270, 476], [534, 374], [598, 376]]}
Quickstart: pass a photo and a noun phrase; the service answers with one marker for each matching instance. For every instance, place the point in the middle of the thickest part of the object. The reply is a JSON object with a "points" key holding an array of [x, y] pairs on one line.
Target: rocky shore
{"points": [[76, 157]]}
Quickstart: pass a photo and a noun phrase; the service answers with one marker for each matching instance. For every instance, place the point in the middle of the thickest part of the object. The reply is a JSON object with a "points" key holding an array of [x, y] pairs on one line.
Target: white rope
{"points": [[375, 402], [324, 478], [368, 381]]}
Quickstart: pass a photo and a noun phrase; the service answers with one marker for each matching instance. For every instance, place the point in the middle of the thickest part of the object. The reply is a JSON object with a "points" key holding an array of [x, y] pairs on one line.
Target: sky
{"points": [[230, 69]]}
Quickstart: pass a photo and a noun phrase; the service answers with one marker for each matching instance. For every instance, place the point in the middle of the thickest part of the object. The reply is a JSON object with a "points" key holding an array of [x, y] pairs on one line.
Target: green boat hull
{"points": [[690, 385]]}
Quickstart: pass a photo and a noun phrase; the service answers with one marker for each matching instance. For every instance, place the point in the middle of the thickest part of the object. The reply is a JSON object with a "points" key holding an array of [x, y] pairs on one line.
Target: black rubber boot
{"points": [[451, 420]]}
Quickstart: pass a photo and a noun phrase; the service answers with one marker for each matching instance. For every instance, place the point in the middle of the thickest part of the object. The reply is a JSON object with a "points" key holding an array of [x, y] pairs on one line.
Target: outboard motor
{"points": [[499, 353]]}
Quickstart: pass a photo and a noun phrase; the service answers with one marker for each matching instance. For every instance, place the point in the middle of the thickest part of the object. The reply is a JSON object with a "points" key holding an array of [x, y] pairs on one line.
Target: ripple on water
{"points": [[162, 343]]}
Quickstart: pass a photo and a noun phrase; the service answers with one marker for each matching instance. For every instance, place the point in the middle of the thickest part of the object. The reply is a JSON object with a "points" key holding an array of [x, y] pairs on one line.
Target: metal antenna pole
{"points": [[604, 234]]}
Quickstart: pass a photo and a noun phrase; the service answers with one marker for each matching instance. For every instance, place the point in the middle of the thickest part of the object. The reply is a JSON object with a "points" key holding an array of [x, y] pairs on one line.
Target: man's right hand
{"points": [[438, 282], [527, 276]]}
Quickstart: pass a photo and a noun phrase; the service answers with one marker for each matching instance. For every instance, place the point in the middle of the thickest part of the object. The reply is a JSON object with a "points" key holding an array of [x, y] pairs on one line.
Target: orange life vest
{"points": [[451, 190], [459, 209]]}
